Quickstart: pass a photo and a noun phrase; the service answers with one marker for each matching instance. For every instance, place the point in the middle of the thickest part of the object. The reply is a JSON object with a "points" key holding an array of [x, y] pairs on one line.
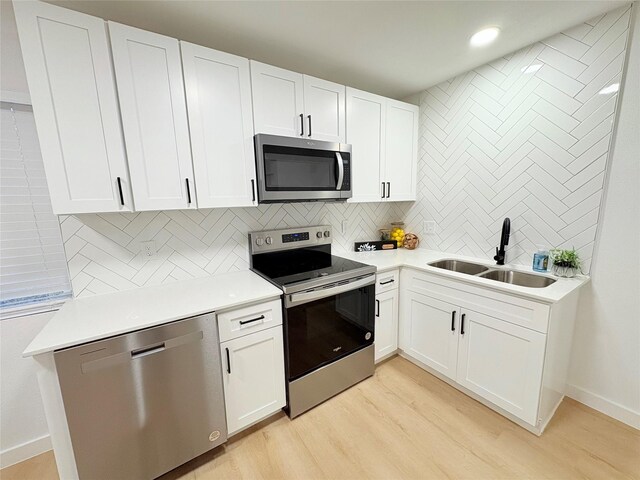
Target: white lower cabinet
{"points": [[252, 363], [429, 333], [509, 352], [493, 358], [386, 326], [501, 362]]}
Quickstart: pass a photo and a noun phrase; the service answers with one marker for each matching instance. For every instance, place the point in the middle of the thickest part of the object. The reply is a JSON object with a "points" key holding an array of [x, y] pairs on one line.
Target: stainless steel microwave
{"points": [[301, 170]]}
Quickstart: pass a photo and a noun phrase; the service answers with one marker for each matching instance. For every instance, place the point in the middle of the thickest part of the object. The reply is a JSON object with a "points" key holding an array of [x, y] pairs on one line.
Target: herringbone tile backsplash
{"points": [[526, 136], [104, 251]]}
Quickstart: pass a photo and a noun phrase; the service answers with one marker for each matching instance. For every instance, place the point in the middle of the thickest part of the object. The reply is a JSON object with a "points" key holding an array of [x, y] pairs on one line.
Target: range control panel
{"points": [[274, 240], [295, 237]]}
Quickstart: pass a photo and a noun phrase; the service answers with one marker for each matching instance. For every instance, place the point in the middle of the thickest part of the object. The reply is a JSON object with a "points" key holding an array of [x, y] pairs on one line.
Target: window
{"points": [[33, 266]]}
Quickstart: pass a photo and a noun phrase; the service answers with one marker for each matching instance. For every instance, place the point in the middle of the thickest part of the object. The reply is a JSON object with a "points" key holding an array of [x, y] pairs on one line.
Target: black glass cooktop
{"points": [[302, 264]]}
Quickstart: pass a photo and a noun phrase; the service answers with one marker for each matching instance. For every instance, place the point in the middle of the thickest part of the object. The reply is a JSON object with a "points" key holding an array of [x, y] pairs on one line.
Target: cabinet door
{"points": [[68, 65], [154, 118], [366, 134], [430, 332], [386, 333], [502, 362], [218, 88], [324, 108], [254, 386], [400, 162], [278, 100]]}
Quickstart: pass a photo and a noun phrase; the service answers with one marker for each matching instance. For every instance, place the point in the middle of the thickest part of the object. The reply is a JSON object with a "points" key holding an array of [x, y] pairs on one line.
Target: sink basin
{"points": [[460, 266], [518, 278]]}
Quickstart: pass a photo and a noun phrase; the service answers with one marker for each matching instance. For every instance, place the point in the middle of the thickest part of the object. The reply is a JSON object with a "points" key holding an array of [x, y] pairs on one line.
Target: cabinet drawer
{"points": [[387, 281], [245, 320], [503, 306]]}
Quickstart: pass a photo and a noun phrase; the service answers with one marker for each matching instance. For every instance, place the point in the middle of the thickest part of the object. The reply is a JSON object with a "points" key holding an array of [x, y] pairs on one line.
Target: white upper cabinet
{"points": [[400, 161], [278, 100], [154, 117], [324, 107], [294, 105], [366, 115], [68, 65], [383, 134], [218, 88]]}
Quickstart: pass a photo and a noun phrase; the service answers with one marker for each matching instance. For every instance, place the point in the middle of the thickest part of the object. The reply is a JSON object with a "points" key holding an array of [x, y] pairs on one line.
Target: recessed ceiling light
{"points": [[484, 37], [531, 68], [613, 88]]}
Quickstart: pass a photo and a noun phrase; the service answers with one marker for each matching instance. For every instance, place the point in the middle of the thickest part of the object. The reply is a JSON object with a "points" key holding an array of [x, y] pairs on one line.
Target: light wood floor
{"points": [[405, 423]]}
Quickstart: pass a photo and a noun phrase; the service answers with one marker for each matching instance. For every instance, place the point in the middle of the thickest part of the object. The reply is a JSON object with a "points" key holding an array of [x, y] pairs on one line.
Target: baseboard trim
{"points": [[612, 409], [25, 451]]}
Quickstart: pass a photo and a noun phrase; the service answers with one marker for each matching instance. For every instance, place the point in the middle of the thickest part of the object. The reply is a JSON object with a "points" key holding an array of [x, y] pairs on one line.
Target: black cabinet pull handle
{"points": [[462, 324], [383, 190], [388, 189], [244, 322], [188, 191], [387, 282], [453, 321], [253, 190], [377, 307], [228, 361], [309, 117], [120, 191], [301, 124]]}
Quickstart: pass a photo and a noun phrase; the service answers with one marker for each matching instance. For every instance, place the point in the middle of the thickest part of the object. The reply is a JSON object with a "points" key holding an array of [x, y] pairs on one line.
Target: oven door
{"points": [[327, 323], [294, 169]]}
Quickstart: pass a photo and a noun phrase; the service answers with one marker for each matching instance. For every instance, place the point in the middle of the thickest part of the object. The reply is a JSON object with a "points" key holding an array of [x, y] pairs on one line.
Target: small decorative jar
{"points": [[411, 241], [385, 234], [397, 232]]}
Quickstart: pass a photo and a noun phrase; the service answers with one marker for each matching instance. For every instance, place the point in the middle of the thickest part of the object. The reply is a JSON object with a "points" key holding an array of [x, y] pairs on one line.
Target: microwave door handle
{"points": [[340, 170]]}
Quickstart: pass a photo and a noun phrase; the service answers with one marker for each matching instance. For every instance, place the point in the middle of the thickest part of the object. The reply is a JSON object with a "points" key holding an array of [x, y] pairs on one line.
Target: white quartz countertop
{"points": [[420, 258], [93, 318]]}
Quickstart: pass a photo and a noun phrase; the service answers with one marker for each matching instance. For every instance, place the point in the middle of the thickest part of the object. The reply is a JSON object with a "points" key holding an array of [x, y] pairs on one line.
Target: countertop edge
{"points": [[39, 351]]}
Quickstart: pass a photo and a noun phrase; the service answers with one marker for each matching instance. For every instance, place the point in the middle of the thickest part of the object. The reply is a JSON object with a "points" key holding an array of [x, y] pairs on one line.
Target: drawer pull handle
{"points": [[453, 321], [244, 322], [462, 324], [387, 282]]}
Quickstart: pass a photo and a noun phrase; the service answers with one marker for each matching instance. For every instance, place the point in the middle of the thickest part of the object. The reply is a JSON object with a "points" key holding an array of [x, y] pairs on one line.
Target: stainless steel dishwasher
{"points": [[140, 404]]}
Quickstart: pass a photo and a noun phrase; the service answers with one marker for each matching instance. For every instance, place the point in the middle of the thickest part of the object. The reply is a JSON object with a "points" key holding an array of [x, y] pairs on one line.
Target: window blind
{"points": [[33, 266]]}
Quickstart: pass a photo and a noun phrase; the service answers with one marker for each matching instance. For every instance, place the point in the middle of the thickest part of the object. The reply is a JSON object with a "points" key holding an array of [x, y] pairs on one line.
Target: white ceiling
{"points": [[395, 48]]}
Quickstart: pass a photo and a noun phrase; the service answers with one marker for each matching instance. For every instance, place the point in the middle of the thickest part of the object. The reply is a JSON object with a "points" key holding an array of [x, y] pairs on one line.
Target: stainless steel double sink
{"points": [[513, 277]]}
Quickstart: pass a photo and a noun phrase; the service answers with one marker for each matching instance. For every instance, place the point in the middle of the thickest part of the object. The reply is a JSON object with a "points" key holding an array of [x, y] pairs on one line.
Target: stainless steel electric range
{"points": [[328, 312]]}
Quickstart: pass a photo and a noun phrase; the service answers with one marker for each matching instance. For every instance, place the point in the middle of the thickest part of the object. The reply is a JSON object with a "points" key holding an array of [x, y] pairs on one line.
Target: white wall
{"points": [[525, 136], [23, 427], [605, 371], [13, 79]]}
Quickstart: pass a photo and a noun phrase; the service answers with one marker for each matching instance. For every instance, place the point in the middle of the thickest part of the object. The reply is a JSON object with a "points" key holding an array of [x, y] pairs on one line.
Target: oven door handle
{"points": [[340, 170], [294, 299]]}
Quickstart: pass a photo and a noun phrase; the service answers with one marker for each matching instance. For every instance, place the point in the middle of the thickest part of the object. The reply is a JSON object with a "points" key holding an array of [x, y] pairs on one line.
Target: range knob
{"points": [[259, 241], [269, 240], [319, 234], [327, 233]]}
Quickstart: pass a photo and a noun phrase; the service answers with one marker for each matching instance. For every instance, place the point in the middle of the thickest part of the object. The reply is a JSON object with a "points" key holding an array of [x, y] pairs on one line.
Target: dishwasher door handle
{"points": [[144, 351], [129, 355]]}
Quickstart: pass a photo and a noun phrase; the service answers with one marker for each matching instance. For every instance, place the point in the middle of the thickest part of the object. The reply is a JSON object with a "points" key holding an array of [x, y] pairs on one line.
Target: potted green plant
{"points": [[566, 263]]}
